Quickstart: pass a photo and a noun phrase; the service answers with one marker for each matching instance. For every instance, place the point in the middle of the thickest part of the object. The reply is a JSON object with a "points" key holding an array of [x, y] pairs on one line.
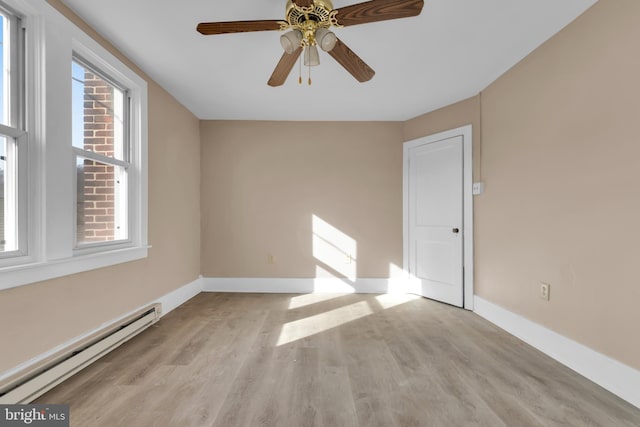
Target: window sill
{"points": [[24, 274]]}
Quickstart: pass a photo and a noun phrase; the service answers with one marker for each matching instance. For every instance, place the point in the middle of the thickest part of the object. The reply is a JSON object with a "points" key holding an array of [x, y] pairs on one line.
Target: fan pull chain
{"points": [[300, 70], [309, 75]]}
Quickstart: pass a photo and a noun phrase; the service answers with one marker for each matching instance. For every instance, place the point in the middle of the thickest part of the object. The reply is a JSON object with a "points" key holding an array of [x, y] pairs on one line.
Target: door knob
{"points": [[456, 230]]}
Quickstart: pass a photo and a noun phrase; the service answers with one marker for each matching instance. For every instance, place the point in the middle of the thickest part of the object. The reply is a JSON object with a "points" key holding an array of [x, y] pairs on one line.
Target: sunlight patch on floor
{"points": [[309, 299], [392, 300], [302, 328]]}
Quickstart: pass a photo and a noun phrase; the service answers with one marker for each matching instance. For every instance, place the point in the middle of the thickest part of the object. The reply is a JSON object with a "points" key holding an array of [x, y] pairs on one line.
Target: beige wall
{"points": [[38, 317], [560, 159], [263, 181], [462, 113]]}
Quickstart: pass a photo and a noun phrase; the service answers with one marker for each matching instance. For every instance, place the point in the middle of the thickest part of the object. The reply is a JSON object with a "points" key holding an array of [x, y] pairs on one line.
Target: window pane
{"points": [[101, 202], [8, 196], [97, 113], [5, 108]]}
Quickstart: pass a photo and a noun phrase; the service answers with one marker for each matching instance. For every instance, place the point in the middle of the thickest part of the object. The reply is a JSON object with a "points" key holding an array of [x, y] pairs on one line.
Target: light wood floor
{"points": [[331, 360]]}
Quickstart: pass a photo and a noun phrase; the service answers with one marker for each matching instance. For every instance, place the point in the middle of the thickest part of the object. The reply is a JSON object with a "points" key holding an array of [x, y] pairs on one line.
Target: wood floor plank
{"points": [[541, 391], [227, 360]]}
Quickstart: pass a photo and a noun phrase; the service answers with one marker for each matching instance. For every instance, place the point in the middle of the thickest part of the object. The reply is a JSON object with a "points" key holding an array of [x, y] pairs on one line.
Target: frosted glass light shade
{"points": [[311, 56], [326, 39], [291, 41]]}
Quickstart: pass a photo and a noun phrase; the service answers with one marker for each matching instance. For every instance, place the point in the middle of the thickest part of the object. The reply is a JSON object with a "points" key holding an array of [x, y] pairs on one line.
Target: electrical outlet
{"points": [[478, 188], [545, 291]]}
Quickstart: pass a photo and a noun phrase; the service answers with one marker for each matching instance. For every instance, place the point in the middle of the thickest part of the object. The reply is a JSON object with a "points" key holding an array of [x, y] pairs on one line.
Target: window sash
{"points": [[16, 182], [121, 202], [123, 130], [14, 54], [12, 125]]}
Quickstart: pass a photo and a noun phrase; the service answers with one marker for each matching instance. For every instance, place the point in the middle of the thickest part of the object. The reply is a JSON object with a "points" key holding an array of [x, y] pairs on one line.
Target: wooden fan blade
{"points": [[284, 67], [210, 28], [378, 10], [351, 62]]}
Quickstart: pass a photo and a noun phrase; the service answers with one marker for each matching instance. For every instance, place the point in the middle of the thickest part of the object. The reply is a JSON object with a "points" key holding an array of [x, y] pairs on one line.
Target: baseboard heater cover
{"points": [[34, 381]]}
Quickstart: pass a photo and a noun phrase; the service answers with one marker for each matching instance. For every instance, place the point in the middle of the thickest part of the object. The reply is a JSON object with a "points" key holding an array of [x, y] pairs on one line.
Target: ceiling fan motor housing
{"points": [[320, 13]]}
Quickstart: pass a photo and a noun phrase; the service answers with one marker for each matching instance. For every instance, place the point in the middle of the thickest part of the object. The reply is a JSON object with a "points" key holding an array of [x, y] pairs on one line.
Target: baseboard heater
{"points": [[32, 382]]}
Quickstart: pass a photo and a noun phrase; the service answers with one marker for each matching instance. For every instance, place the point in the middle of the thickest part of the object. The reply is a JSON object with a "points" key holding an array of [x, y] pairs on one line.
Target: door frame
{"points": [[467, 204]]}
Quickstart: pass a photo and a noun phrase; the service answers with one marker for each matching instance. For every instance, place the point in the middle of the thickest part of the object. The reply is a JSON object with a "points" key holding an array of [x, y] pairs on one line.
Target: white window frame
{"points": [[51, 42]]}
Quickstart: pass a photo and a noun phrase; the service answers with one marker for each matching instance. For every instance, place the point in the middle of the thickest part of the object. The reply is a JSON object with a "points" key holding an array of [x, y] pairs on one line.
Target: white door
{"points": [[434, 211]]}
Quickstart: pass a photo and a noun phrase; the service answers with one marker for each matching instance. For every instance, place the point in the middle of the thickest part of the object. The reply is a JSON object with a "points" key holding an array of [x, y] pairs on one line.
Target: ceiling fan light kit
{"points": [[310, 22], [311, 56], [291, 41], [326, 39]]}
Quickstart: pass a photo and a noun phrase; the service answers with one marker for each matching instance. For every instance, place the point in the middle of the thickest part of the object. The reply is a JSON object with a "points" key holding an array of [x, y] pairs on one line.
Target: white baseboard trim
{"points": [[181, 295], [169, 302], [305, 285], [610, 374]]}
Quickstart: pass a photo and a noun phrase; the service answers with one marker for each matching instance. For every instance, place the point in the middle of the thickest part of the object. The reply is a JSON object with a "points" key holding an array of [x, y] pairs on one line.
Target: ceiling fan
{"points": [[309, 22]]}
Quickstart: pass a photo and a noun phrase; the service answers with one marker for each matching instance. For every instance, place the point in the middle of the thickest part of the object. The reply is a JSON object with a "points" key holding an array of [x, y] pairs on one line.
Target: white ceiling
{"points": [[452, 51]]}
